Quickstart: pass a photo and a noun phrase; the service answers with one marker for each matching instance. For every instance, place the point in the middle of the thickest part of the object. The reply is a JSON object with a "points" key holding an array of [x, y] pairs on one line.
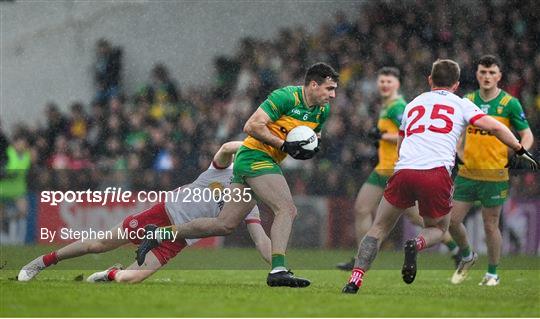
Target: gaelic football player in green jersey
{"points": [[483, 176], [386, 134], [256, 167]]}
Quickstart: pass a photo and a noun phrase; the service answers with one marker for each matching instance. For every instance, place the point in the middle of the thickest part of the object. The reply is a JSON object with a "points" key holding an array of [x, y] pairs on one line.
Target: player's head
{"points": [[444, 75], [388, 81], [320, 83], [488, 72]]}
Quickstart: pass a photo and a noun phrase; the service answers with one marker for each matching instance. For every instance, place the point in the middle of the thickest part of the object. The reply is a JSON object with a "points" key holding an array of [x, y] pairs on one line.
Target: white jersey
{"points": [[204, 197], [431, 126]]}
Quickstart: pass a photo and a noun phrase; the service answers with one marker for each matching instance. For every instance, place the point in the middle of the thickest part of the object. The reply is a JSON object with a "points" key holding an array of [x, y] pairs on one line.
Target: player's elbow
{"points": [[249, 127]]}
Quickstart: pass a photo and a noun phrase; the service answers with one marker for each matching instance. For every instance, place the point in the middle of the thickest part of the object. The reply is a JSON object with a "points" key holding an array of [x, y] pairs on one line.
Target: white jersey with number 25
{"points": [[431, 126]]}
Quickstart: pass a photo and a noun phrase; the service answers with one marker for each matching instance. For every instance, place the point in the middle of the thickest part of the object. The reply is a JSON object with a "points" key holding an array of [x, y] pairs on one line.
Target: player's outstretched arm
{"points": [[506, 136], [500, 131], [224, 156], [261, 240], [526, 138]]}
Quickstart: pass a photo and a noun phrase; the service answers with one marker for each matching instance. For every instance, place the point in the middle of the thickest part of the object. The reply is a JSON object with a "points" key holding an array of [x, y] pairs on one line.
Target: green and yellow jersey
{"points": [[389, 122], [287, 109], [484, 155]]}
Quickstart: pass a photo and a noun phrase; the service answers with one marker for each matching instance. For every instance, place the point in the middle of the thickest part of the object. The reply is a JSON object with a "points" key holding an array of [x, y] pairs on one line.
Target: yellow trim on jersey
{"points": [[286, 122], [504, 101], [470, 96], [296, 99], [273, 105]]}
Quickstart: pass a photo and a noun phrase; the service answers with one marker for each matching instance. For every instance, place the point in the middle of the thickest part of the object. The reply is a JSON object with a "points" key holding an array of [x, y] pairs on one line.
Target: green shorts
{"points": [[377, 179], [490, 194], [251, 163]]}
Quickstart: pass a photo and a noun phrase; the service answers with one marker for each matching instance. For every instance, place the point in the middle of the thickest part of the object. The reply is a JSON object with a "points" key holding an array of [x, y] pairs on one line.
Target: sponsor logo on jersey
{"points": [[133, 223], [296, 111], [476, 130], [484, 108], [522, 116]]}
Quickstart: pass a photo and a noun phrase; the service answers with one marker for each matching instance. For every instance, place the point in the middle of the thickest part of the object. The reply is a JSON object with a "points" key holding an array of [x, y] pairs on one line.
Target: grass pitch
{"points": [[231, 283]]}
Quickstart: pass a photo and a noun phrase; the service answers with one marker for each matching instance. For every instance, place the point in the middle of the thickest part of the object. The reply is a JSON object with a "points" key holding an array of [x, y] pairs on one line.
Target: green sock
{"points": [[278, 260], [165, 233], [492, 269], [451, 245], [465, 252]]}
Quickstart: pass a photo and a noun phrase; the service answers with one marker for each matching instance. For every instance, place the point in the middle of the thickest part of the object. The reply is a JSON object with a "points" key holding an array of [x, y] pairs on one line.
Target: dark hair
{"points": [[319, 72], [489, 60], [444, 73], [389, 71]]}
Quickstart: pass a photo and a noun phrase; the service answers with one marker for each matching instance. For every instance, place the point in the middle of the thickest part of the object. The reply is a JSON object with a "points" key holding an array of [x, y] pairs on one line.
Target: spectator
{"points": [[57, 124], [107, 70], [13, 191]]}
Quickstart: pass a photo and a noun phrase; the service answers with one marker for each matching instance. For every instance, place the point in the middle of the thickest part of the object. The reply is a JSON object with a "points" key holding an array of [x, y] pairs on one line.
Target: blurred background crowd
{"points": [[164, 134]]}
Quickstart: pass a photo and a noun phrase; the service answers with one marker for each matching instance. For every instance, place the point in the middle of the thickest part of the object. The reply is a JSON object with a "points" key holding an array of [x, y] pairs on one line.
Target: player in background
{"points": [[174, 210], [483, 176], [256, 167], [386, 134], [429, 132]]}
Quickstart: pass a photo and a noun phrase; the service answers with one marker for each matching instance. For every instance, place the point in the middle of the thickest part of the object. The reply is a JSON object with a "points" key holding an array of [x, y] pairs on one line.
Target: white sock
{"points": [[468, 258], [278, 269]]}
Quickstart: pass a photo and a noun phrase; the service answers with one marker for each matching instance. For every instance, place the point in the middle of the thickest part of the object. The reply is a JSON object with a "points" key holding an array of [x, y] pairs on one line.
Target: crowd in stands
{"points": [[165, 131]]}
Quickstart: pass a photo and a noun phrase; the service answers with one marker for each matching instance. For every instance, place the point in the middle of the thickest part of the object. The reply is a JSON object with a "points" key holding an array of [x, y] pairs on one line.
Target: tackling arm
{"points": [[527, 138], [500, 131], [224, 155], [261, 240]]}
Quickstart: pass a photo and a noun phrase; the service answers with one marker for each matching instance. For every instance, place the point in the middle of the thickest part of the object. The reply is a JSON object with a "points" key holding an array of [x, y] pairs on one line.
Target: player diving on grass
{"points": [[430, 129], [385, 134], [176, 211], [256, 166]]}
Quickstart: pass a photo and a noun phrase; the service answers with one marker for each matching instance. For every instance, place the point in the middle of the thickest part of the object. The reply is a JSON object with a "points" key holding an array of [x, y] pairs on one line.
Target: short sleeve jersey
{"points": [[287, 110], [185, 206], [431, 126], [484, 155], [389, 122]]}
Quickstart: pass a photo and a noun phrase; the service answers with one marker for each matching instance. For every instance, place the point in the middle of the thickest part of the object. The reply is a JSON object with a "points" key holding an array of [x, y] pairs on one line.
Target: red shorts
{"points": [[158, 216], [432, 188]]}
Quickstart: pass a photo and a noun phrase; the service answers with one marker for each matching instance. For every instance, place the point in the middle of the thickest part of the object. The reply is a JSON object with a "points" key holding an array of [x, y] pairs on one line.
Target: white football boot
{"points": [[31, 269], [489, 280], [103, 276], [462, 271]]}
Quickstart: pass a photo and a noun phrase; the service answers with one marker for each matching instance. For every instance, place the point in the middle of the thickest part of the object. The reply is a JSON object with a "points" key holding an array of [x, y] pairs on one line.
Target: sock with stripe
{"points": [[452, 247], [492, 269], [50, 259], [165, 233], [278, 262], [420, 243], [466, 253], [357, 276], [111, 275]]}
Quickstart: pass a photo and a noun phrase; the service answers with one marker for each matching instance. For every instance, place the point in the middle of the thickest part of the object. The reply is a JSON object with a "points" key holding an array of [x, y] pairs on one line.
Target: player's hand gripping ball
{"points": [[301, 143]]}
